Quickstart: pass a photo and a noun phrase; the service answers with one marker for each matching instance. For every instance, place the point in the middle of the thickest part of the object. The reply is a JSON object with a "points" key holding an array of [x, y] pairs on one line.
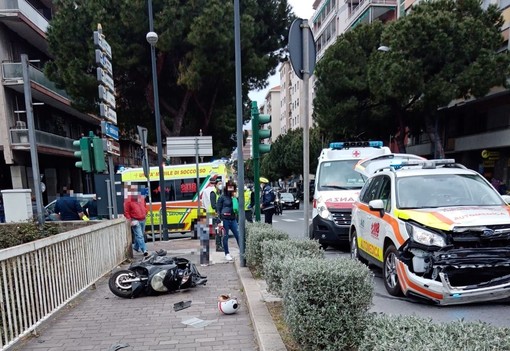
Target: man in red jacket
{"points": [[135, 211]]}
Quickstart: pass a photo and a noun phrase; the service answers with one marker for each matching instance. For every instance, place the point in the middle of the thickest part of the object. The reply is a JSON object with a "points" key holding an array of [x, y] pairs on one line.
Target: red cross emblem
{"points": [[356, 153]]}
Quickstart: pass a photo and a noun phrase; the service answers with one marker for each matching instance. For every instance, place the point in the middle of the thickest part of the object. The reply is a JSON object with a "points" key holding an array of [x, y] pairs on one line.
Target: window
{"points": [[372, 190]]}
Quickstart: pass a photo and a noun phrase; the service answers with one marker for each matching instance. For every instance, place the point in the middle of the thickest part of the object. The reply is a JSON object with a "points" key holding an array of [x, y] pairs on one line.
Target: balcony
{"points": [[20, 140], [25, 20], [43, 89], [379, 8]]}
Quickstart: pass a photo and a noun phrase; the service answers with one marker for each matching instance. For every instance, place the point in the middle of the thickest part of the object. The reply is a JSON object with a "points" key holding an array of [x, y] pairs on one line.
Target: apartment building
{"points": [[272, 107], [23, 28]]}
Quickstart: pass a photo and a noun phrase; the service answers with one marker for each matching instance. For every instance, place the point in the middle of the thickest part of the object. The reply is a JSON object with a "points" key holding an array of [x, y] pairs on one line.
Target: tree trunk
{"points": [[435, 139], [400, 136]]}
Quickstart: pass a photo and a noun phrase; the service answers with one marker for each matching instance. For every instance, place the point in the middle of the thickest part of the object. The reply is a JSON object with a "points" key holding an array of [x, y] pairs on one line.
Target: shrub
{"points": [[256, 234], [275, 253], [326, 302], [21, 233], [410, 333]]}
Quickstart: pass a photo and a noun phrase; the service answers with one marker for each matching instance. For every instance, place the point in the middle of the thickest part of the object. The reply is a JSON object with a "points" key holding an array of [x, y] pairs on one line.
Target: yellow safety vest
{"points": [[247, 199], [210, 209]]}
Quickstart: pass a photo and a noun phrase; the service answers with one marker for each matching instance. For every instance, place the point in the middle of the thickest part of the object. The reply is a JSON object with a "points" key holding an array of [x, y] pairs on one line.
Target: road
{"points": [[495, 313]]}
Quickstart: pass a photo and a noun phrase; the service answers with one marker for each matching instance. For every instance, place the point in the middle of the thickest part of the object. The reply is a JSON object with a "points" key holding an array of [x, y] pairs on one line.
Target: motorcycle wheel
{"points": [[118, 286]]}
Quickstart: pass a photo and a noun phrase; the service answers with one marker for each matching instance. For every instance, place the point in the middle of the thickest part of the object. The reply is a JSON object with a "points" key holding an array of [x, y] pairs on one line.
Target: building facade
{"points": [[23, 28]]}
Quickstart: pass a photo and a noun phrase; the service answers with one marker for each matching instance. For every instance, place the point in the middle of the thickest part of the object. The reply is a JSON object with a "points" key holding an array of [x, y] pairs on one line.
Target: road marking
{"points": [[289, 220]]}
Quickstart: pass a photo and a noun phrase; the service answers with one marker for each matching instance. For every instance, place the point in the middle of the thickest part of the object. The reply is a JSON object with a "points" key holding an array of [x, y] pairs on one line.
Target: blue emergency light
{"points": [[339, 145]]}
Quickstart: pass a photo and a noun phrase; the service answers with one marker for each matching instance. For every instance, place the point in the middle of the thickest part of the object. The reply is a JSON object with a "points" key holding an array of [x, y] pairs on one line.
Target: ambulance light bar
{"points": [[339, 145], [426, 164]]}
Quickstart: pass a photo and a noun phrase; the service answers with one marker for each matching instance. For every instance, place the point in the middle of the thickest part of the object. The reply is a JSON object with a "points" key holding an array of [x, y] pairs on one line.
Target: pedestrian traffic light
{"points": [[259, 133], [98, 149], [83, 152]]}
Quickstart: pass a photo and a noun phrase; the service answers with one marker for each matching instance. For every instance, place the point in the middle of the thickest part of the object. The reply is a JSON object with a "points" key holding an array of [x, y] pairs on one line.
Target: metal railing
{"points": [[13, 72], [39, 278], [27, 10], [21, 137], [364, 4]]}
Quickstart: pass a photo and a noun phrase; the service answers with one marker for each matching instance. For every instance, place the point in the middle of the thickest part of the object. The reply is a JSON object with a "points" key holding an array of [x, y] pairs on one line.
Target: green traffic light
{"points": [[84, 154]]}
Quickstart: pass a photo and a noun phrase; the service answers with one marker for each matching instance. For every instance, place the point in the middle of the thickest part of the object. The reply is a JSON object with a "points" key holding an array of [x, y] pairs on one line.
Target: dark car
{"points": [[289, 201]]}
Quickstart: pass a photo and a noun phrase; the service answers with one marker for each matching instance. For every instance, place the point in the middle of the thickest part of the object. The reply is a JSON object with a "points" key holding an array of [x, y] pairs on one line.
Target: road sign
{"points": [[110, 130], [142, 133], [103, 61], [108, 113], [296, 48], [103, 44], [106, 79], [112, 147], [187, 146], [106, 96]]}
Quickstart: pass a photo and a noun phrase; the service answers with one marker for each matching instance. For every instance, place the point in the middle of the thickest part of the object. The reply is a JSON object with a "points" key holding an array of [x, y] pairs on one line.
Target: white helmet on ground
{"points": [[228, 304]]}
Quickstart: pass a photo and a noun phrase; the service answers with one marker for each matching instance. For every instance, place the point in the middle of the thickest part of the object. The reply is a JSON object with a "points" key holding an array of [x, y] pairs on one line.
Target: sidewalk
{"points": [[101, 321]]}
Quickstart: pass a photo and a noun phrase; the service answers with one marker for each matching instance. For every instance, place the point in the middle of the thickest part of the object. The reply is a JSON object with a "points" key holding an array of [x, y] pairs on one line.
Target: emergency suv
{"points": [[436, 229], [337, 185]]}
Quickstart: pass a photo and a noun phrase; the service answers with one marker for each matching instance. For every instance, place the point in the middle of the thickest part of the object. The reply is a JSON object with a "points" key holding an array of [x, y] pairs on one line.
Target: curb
{"points": [[268, 337]]}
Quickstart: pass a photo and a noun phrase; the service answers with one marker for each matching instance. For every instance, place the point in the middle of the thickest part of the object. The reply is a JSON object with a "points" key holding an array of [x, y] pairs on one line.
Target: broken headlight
{"points": [[425, 237]]}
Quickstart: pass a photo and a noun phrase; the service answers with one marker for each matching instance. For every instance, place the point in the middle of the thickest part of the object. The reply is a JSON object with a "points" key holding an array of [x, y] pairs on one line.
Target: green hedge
{"points": [[410, 333], [325, 302], [256, 233], [276, 252]]}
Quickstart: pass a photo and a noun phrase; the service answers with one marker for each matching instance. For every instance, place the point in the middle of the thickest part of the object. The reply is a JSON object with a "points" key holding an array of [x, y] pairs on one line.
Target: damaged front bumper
{"points": [[460, 276]]}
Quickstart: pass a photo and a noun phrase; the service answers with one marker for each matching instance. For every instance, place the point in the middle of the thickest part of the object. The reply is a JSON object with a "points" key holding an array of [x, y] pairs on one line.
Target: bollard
{"points": [[204, 244]]}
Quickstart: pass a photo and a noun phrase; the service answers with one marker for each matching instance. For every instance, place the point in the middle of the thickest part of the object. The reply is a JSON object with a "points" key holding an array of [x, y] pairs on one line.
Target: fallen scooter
{"points": [[155, 274]]}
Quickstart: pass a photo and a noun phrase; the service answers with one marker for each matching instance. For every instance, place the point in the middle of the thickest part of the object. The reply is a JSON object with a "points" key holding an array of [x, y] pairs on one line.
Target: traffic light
{"points": [[84, 154], [98, 150], [258, 133]]}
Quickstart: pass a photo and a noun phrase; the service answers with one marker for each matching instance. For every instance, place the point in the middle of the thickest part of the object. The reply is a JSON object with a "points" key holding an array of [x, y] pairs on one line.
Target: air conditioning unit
{"points": [[21, 125]]}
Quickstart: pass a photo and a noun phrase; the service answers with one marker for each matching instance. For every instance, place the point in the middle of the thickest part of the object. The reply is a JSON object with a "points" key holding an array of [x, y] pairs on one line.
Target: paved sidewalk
{"points": [[101, 321]]}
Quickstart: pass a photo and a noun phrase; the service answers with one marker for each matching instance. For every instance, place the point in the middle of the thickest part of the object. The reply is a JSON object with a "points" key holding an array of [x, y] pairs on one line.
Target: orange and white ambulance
{"points": [[337, 186]]}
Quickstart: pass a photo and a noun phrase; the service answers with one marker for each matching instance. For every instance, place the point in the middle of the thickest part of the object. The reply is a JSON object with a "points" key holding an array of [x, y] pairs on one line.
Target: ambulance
{"points": [[337, 186]]}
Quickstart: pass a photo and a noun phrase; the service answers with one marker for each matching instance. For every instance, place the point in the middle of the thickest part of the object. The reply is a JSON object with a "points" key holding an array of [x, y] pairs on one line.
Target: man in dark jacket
{"points": [[267, 203], [68, 207]]}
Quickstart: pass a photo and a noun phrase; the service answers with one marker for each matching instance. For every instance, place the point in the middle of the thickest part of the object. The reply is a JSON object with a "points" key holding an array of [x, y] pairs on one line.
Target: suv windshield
{"points": [[445, 190], [339, 175]]}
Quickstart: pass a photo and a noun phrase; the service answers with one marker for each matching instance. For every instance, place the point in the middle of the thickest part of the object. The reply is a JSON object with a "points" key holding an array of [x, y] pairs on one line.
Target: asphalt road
{"points": [[496, 313]]}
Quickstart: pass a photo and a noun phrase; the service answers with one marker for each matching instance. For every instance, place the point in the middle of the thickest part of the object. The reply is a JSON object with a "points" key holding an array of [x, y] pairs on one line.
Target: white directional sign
{"points": [[108, 113], [106, 96], [103, 61], [113, 147], [103, 77], [103, 44], [189, 146]]}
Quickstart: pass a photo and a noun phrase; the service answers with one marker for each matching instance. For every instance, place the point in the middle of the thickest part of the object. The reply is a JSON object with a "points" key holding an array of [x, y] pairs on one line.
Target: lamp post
{"points": [[152, 39]]}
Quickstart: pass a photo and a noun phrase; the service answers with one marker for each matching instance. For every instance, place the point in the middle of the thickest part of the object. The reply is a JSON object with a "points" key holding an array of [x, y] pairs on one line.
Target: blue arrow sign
{"points": [[110, 130]]}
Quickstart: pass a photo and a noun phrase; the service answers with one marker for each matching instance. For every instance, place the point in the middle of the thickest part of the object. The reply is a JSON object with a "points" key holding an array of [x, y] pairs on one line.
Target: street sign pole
{"points": [[306, 132]]}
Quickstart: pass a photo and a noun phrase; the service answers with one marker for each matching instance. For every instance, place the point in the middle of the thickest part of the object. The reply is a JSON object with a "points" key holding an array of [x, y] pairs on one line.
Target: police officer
{"points": [[267, 201], [249, 201]]}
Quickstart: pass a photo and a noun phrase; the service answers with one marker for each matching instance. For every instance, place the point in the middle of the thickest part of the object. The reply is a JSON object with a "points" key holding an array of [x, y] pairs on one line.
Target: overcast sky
{"points": [[302, 9]]}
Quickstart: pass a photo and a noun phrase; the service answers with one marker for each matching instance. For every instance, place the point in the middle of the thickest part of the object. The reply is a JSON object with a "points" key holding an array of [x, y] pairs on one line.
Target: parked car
{"points": [[296, 192], [288, 200], [49, 209], [437, 230]]}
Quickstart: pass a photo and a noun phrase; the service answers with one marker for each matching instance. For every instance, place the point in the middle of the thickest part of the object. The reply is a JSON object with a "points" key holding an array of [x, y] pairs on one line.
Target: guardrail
{"points": [[39, 278]]}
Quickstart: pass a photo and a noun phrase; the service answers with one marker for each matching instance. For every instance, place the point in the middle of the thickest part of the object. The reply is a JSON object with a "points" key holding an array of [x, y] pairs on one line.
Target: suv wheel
{"points": [[354, 248], [390, 276]]}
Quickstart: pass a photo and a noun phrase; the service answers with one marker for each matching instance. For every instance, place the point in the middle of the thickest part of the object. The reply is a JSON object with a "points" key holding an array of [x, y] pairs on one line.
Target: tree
{"points": [[344, 107], [443, 50], [195, 58], [286, 155]]}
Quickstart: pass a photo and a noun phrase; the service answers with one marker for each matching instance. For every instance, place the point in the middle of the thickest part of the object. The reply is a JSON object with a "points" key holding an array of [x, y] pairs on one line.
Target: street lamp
{"points": [[384, 48], [152, 39]]}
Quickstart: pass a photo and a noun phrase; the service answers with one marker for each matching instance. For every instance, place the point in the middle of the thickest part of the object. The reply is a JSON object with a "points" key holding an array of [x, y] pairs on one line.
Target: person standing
{"points": [[90, 208], [135, 211], [68, 208], [267, 202], [214, 194], [249, 200], [225, 208]]}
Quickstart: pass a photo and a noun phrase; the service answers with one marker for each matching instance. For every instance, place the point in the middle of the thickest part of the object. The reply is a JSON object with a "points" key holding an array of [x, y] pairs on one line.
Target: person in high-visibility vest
{"points": [[249, 201]]}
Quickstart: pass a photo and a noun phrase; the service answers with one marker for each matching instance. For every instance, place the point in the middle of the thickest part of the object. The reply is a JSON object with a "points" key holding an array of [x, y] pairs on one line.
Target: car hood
{"points": [[446, 218], [338, 199]]}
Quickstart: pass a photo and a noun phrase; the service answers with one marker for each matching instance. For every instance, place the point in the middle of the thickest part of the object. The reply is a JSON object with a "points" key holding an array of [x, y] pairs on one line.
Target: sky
{"points": [[302, 9]]}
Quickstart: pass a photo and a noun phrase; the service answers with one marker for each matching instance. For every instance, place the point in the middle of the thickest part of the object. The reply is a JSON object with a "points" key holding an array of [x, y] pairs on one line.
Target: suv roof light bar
{"points": [[339, 145], [426, 164]]}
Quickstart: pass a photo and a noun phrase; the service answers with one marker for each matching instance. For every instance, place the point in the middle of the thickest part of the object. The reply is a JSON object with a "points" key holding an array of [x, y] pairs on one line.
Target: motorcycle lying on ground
{"points": [[155, 274]]}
